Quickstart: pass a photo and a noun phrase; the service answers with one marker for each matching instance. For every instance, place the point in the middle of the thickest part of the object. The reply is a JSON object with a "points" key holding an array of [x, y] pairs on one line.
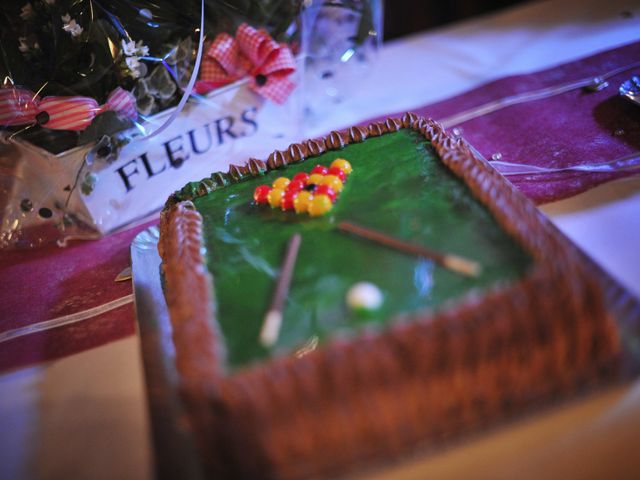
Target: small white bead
{"points": [[364, 295]]}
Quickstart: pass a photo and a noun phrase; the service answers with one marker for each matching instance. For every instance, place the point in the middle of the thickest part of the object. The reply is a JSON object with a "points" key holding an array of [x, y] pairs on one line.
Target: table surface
{"points": [[85, 415]]}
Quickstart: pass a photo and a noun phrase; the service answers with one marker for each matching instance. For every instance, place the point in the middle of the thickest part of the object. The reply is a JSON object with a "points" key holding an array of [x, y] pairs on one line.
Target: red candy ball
{"points": [[338, 173], [326, 190], [288, 199], [260, 195], [321, 169], [296, 186], [302, 176]]}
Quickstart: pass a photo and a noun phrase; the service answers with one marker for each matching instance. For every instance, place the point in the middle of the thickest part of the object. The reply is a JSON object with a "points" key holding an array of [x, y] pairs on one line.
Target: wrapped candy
{"points": [[19, 106]]}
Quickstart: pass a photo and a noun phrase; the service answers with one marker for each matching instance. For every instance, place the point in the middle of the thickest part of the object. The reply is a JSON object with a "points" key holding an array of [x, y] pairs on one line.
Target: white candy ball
{"points": [[364, 296]]}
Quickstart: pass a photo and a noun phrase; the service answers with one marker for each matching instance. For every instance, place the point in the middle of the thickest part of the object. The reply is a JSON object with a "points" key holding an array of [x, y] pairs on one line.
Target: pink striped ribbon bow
{"points": [[19, 106], [252, 53]]}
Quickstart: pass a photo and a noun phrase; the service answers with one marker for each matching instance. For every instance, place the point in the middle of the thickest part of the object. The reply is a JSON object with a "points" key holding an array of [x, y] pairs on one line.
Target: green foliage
{"points": [[39, 54], [107, 123], [36, 51]]}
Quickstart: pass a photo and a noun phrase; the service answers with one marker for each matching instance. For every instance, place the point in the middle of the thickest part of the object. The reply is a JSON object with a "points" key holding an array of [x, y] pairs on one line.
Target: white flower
{"points": [[129, 48], [23, 47], [134, 65], [132, 52], [26, 11], [133, 62], [72, 27], [141, 49], [132, 48]]}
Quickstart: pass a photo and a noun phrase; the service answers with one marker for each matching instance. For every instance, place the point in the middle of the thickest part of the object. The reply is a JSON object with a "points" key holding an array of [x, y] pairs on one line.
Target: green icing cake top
{"points": [[398, 186]]}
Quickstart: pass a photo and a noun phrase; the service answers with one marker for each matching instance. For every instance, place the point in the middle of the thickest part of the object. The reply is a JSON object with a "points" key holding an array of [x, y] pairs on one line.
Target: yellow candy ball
{"points": [[315, 179], [332, 181], [343, 165], [275, 197], [302, 201], [281, 182], [320, 205]]}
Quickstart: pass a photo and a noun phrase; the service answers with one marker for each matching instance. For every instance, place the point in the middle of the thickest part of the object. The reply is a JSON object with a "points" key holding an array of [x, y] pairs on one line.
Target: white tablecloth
{"points": [[85, 416]]}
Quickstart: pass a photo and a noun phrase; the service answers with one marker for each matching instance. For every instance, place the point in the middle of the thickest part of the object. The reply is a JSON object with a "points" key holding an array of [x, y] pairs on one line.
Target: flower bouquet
{"points": [[106, 106]]}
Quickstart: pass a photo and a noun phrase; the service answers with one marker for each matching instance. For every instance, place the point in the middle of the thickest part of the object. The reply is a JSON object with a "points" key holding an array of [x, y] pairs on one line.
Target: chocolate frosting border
{"points": [[381, 395]]}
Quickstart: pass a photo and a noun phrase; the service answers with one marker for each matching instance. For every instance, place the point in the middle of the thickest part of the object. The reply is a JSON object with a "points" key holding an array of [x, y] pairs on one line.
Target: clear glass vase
{"points": [[341, 39]]}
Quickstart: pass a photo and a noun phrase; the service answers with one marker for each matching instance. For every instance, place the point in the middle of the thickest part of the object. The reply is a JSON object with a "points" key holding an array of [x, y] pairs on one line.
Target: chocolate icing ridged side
{"points": [[431, 377], [374, 130], [392, 124], [426, 129], [335, 141], [408, 120], [297, 152], [257, 167], [221, 179], [189, 295], [203, 187], [357, 134], [276, 160], [236, 172], [384, 128], [315, 147], [189, 291]]}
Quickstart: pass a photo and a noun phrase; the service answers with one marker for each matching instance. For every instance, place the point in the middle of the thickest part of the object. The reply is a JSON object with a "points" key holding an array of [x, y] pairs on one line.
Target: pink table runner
{"points": [[572, 128], [52, 282]]}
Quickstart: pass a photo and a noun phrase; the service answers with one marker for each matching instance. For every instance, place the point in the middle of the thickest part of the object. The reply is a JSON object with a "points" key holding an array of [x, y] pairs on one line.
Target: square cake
{"points": [[442, 353]]}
